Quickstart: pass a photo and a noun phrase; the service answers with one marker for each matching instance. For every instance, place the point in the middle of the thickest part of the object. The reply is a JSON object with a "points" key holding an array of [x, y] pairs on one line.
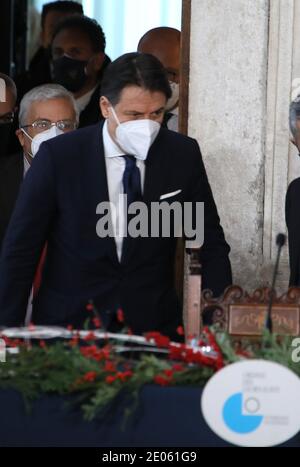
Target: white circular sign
{"points": [[253, 403]]}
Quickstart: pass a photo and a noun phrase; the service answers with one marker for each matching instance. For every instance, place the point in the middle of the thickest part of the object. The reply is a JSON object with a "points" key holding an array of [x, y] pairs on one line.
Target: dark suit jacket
{"points": [[92, 113], [57, 204], [292, 214], [11, 176]]}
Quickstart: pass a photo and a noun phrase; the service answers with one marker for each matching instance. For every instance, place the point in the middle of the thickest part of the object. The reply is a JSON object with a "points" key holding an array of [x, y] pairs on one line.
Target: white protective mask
{"points": [[135, 137], [174, 99], [38, 139]]}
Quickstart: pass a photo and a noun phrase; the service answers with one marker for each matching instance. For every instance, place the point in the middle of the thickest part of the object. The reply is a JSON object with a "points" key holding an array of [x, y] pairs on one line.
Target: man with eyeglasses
{"points": [[45, 112], [164, 44]]}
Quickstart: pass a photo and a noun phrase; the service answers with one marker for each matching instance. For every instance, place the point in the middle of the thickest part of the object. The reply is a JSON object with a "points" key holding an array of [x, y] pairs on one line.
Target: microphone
{"points": [[280, 241]]}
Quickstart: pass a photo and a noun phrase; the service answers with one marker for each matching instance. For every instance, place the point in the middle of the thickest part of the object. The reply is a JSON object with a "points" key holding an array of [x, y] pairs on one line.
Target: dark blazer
{"points": [[11, 176], [92, 113], [57, 204], [292, 215]]}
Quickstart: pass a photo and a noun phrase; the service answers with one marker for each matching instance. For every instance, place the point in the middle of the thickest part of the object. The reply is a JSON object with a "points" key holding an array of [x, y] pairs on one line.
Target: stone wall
{"points": [[243, 63]]}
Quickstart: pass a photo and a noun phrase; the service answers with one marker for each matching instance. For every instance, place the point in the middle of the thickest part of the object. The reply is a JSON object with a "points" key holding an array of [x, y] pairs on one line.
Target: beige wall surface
{"points": [[243, 64]]}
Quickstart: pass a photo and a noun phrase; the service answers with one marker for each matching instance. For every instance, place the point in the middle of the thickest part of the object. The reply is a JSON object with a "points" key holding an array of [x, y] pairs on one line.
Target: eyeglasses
{"points": [[7, 118], [43, 125]]}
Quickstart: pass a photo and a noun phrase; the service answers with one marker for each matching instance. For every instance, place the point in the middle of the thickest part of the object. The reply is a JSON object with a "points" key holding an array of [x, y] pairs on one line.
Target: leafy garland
{"points": [[96, 375]]}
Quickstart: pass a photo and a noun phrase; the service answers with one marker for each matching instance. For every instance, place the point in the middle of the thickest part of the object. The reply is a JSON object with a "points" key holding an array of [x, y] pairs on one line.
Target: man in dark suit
{"points": [[292, 215], [40, 109], [52, 14], [63, 195], [78, 62], [75, 58], [292, 203], [39, 71]]}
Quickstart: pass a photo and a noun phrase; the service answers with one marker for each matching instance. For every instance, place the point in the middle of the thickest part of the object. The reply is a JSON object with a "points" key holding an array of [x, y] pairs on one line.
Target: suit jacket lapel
{"points": [[97, 179], [156, 171]]}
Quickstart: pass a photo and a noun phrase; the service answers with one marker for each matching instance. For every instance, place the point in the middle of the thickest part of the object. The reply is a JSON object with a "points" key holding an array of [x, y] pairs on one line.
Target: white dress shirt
{"points": [[115, 166]]}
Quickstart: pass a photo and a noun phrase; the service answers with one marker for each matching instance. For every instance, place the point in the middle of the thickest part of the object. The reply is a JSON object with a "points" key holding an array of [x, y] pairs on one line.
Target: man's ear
{"points": [[21, 137], [104, 106]]}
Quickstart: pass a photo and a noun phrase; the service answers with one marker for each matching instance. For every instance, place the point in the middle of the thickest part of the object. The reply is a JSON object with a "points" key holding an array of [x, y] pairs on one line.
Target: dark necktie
{"points": [[132, 180], [132, 188]]}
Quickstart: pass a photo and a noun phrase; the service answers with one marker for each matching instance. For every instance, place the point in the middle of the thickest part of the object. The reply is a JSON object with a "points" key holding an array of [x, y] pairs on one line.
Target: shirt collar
{"points": [[111, 149], [26, 166]]}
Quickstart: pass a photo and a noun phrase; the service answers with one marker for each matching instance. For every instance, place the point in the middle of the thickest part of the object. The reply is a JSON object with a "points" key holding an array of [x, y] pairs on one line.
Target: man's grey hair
{"points": [[44, 93], [294, 115]]}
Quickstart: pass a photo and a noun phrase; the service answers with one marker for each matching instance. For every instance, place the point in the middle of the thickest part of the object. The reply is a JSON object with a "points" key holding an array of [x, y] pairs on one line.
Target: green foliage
{"points": [[63, 369]]}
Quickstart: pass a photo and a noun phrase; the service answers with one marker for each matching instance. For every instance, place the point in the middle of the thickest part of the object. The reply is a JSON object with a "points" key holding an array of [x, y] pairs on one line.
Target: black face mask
{"points": [[5, 136], [69, 72]]}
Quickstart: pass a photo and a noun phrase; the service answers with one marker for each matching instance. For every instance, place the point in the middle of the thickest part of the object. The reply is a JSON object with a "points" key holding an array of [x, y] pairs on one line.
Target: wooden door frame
{"points": [[183, 120], [185, 66]]}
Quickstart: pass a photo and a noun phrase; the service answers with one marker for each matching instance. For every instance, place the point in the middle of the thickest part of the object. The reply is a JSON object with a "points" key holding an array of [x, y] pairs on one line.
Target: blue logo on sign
{"points": [[234, 418]]}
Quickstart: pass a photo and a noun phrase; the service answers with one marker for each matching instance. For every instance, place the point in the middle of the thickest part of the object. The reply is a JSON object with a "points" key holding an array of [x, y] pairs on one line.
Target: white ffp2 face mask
{"points": [[135, 137], [38, 139], [174, 99]]}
